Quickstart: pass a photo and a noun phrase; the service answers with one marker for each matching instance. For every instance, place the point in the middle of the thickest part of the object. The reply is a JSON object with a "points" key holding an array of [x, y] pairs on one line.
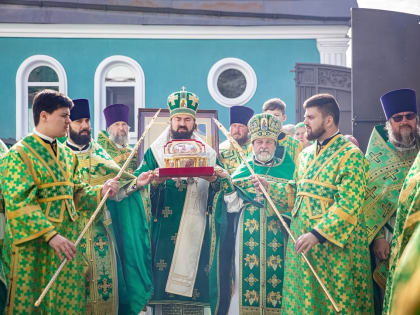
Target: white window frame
{"points": [[244, 68], [100, 91], [22, 84]]}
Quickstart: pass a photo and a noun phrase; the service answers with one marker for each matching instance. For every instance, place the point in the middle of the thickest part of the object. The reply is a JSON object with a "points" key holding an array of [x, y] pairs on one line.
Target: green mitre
{"points": [[264, 126], [183, 102]]}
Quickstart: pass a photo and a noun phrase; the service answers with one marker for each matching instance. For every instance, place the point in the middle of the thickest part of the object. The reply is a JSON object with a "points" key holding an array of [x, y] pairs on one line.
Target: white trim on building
{"points": [[100, 91], [332, 40], [22, 84], [237, 64]]}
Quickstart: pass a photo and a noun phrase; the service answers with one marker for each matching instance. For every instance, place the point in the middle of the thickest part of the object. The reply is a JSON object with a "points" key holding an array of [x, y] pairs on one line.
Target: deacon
{"points": [[391, 151], [116, 137], [239, 117], [327, 219], [43, 195], [260, 238], [98, 246], [293, 147], [405, 250], [180, 210]]}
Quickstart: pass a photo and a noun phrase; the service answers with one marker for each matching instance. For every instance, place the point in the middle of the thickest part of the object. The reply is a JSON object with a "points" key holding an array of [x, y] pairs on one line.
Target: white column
{"points": [[333, 50]]}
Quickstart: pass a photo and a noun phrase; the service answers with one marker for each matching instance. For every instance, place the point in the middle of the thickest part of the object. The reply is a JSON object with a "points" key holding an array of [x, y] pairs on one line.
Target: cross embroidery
{"points": [[172, 98], [392, 174], [101, 243], [161, 265], [376, 156], [173, 237], [193, 99], [370, 192], [105, 285], [181, 185], [166, 212]]}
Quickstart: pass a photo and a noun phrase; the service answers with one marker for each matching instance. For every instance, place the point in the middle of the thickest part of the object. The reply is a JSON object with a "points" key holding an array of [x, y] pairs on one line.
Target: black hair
{"points": [[327, 105], [49, 101]]}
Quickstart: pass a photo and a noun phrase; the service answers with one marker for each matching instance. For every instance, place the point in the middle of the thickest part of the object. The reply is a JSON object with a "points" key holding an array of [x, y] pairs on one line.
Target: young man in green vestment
{"points": [[277, 107], [402, 290], [391, 151], [328, 223], [43, 195], [182, 212], [98, 245], [239, 117], [260, 244], [115, 139]]}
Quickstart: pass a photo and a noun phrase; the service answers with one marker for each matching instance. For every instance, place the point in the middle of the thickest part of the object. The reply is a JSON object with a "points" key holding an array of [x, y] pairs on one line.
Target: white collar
{"points": [[42, 136]]}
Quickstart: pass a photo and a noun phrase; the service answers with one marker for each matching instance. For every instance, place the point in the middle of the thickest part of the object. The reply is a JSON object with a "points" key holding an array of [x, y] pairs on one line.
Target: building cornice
{"points": [[172, 32]]}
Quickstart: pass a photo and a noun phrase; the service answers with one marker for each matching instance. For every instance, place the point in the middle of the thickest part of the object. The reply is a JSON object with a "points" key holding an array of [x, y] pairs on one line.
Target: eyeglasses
{"points": [[399, 118]]}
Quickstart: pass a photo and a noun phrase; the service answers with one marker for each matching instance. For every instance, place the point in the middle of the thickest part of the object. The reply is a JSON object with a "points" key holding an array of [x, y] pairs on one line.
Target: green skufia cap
{"points": [[264, 126], [183, 102]]}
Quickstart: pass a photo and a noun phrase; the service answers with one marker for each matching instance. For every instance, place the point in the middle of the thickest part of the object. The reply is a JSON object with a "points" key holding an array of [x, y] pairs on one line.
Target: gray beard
{"points": [[403, 142], [120, 140], [264, 157]]}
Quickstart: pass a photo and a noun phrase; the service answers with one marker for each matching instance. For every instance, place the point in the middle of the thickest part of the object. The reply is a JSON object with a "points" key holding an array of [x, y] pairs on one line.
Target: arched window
{"points": [[119, 79], [231, 81], [34, 74]]}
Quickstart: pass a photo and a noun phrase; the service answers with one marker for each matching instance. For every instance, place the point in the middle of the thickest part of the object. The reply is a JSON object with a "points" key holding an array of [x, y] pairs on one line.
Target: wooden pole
{"points": [[270, 201], [98, 209]]}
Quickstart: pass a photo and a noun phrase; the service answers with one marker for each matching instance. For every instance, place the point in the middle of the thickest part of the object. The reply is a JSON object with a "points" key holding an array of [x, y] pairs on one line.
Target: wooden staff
{"points": [[98, 209], [270, 201]]}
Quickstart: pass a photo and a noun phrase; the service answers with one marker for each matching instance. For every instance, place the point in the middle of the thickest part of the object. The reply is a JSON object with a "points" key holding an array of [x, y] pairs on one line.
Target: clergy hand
{"points": [[62, 246], [305, 242], [381, 248], [144, 178], [112, 186], [221, 172], [156, 179], [255, 182]]}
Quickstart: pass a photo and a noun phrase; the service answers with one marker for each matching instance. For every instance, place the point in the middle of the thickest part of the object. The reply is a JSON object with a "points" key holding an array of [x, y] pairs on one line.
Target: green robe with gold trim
{"points": [[43, 194], [119, 155], [229, 157], [169, 204], [406, 282], [387, 171], [408, 219], [292, 146], [327, 195], [262, 240], [98, 246], [130, 223]]}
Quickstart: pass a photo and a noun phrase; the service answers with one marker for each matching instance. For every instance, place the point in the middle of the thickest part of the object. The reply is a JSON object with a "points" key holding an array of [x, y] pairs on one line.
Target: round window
{"points": [[231, 81]]}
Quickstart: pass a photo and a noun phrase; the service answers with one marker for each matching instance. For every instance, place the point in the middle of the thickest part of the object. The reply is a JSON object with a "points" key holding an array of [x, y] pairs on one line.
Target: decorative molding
{"points": [[172, 32], [100, 91], [333, 50], [244, 68], [22, 76]]}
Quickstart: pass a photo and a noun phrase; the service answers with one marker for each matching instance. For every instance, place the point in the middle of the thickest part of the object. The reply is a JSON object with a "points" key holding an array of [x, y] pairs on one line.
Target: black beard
{"points": [[79, 139], [242, 141], [178, 135], [314, 135]]}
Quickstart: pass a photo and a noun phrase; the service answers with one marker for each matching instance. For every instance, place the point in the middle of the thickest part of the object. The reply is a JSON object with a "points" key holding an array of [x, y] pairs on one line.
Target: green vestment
{"points": [[3, 291], [408, 218], [134, 280], [43, 194], [180, 235], [262, 240], [119, 155], [292, 146], [406, 283], [328, 192], [387, 170], [229, 157]]}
